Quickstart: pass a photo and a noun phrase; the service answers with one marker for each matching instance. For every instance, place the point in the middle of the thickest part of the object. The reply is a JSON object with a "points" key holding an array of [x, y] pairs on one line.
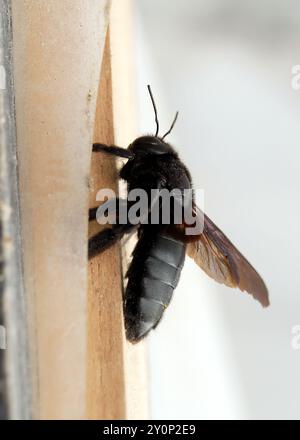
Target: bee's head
{"points": [[150, 145]]}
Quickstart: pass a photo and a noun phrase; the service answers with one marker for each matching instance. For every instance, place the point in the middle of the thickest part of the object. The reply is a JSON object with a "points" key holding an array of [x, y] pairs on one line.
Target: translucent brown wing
{"points": [[221, 260]]}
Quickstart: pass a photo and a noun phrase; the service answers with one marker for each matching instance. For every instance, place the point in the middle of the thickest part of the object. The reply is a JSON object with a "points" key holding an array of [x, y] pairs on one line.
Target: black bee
{"points": [[159, 255]]}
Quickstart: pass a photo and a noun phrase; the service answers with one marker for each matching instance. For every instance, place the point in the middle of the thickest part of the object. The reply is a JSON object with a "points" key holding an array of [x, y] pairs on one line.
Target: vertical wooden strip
{"points": [[105, 373], [117, 373]]}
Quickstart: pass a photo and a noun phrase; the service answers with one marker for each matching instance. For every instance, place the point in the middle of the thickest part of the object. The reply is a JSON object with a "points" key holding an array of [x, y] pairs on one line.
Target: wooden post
{"points": [[81, 364], [57, 57], [105, 374]]}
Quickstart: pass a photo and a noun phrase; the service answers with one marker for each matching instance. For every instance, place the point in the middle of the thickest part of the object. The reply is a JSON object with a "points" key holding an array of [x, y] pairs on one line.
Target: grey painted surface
{"points": [[15, 390]]}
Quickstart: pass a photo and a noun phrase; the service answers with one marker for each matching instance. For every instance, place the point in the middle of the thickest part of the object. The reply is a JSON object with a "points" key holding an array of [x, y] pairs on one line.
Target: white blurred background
{"points": [[226, 66]]}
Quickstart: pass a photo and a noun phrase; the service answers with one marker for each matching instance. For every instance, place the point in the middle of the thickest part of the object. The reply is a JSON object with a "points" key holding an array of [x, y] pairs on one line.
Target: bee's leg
{"points": [[114, 205], [112, 149], [92, 213], [106, 238]]}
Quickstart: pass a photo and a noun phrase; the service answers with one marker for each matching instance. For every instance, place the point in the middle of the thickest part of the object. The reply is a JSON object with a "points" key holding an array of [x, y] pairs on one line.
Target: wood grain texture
{"points": [[105, 371], [117, 370]]}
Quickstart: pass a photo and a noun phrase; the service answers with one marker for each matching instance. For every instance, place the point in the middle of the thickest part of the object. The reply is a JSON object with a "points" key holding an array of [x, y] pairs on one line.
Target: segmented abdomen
{"points": [[152, 276]]}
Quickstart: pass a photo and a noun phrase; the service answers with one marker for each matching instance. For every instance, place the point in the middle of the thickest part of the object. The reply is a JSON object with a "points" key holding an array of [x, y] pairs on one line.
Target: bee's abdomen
{"points": [[152, 276]]}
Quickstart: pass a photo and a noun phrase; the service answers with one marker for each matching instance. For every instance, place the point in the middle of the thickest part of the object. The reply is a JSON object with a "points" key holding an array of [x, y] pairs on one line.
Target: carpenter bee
{"points": [[159, 254]]}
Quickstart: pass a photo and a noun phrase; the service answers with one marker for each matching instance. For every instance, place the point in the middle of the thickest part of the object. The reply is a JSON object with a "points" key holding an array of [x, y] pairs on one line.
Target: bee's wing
{"points": [[221, 260]]}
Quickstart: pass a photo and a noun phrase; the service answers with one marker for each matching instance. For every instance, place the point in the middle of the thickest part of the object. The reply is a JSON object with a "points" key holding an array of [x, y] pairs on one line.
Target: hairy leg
{"points": [[114, 205], [92, 213], [106, 238], [112, 149]]}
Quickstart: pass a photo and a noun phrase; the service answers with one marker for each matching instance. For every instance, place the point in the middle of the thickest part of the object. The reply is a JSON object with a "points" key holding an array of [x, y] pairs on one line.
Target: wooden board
{"points": [[117, 370], [105, 373], [81, 364], [57, 49]]}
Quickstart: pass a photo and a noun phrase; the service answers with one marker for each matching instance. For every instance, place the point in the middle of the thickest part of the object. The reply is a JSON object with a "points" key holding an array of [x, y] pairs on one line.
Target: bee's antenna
{"points": [[155, 110], [171, 128]]}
